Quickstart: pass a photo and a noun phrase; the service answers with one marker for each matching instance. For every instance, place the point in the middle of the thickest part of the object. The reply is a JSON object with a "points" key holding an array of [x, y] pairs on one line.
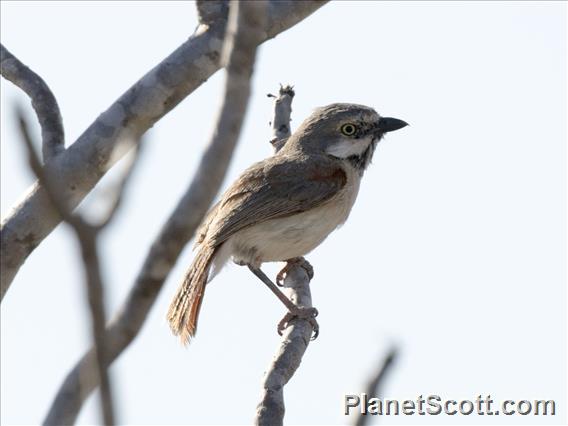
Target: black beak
{"points": [[389, 124]]}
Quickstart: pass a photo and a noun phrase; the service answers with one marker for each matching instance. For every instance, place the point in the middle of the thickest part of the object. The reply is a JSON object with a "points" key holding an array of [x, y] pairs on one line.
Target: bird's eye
{"points": [[348, 129]]}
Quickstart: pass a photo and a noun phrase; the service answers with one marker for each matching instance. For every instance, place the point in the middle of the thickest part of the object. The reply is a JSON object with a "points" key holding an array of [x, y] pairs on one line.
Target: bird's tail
{"points": [[184, 309]]}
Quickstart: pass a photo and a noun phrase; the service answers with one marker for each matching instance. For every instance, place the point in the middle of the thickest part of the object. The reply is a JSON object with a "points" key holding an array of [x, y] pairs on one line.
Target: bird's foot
{"points": [[308, 314], [300, 261]]}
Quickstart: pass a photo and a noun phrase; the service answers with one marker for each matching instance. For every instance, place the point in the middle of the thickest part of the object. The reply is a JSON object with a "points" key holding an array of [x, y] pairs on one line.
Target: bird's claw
{"points": [[308, 314], [281, 275], [289, 264]]}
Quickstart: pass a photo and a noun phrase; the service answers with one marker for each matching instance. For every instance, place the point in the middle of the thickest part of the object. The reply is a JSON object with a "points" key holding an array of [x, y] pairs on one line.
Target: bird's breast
{"points": [[295, 235]]}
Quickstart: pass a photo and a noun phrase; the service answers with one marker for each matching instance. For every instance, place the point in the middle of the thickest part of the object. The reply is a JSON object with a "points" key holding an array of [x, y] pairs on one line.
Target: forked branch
{"points": [[78, 169], [245, 28], [87, 237]]}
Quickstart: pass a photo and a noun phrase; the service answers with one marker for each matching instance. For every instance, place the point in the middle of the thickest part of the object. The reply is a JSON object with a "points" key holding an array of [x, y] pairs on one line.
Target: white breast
{"points": [[296, 235]]}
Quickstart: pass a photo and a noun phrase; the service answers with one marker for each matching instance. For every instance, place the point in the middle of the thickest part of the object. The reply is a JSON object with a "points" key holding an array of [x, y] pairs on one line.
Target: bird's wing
{"points": [[201, 232], [272, 189]]}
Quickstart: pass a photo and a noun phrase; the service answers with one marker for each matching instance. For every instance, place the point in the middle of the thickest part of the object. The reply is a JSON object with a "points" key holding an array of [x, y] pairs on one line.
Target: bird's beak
{"points": [[389, 124]]}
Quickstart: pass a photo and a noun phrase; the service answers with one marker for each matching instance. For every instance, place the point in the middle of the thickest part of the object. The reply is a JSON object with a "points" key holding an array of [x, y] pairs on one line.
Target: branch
{"points": [[270, 410], [87, 236], [281, 118], [43, 102], [119, 190], [245, 28], [88, 240], [78, 169], [209, 11], [376, 382]]}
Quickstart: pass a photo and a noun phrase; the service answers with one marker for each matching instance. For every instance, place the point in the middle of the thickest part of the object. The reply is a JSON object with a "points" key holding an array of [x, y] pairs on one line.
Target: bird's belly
{"points": [[281, 239], [292, 236]]}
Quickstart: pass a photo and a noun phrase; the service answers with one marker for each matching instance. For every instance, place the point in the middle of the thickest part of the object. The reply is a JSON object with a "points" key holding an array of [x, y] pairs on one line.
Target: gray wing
{"points": [[272, 189], [201, 232]]}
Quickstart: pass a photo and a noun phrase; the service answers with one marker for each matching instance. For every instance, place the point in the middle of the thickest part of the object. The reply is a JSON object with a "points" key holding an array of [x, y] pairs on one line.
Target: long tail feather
{"points": [[184, 309]]}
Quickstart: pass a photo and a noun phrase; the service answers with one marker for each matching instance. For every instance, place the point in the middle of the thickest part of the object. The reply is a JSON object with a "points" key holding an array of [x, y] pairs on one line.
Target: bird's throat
{"points": [[362, 161]]}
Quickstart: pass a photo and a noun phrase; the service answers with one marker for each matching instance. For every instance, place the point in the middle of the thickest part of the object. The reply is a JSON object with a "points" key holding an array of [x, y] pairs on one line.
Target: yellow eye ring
{"points": [[348, 129]]}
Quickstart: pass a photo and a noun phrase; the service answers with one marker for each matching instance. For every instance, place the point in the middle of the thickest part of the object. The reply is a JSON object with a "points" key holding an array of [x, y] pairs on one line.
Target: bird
{"points": [[283, 207]]}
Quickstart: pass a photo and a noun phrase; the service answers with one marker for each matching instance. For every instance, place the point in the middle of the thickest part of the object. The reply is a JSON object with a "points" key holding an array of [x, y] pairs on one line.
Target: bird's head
{"points": [[345, 131]]}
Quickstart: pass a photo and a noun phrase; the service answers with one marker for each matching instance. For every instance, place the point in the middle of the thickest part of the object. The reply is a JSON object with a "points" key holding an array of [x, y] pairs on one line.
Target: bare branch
{"points": [[43, 101], [87, 238], [209, 11], [377, 381], [78, 169], [37, 168], [95, 290], [270, 410], [183, 222], [120, 189], [281, 118]]}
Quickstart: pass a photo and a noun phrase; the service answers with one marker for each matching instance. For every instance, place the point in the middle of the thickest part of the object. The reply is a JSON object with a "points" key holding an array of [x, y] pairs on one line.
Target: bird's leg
{"points": [[294, 311], [293, 262]]}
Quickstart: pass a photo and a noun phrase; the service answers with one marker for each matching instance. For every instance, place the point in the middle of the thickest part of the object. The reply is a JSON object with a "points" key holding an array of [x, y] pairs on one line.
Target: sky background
{"points": [[455, 251]]}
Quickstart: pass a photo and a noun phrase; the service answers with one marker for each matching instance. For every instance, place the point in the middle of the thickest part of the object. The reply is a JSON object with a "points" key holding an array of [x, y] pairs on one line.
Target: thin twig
{"points": [[87, 238], [86, 234], [119, 190], [282, 116], [95, 290], [377, 381], [43, 101], [293, 345], [183, 221]]}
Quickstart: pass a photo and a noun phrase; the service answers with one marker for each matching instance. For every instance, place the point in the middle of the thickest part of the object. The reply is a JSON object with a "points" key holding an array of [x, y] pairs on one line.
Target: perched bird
{"points": [[283, 207]]}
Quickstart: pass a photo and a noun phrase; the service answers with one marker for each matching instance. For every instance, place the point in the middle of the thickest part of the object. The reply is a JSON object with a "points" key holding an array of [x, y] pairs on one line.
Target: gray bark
{"points": [[270, 410], [43, 102], [87, 237], [282, 117], [295, 340], [240, 49], [78, 169]]}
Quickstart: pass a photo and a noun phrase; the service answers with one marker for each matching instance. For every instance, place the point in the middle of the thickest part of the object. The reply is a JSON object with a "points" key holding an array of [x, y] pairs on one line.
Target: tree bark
{"points": [[246, 22], [43, 102], [270, 410], [77, 170]]}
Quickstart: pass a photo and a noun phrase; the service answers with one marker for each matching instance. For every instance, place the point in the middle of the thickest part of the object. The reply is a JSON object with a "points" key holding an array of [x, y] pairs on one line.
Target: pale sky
{"points": [[455, 250]]}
